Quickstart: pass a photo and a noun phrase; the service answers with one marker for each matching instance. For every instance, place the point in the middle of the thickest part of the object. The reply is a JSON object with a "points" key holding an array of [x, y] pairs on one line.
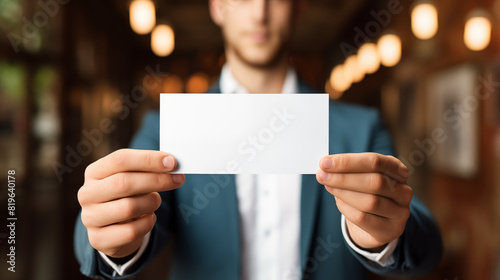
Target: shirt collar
{"points": [[229, 84]]}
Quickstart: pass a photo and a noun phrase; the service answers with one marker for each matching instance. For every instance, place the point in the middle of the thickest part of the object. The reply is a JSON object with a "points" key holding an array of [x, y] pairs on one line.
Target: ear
{"points": [[216, 11]]}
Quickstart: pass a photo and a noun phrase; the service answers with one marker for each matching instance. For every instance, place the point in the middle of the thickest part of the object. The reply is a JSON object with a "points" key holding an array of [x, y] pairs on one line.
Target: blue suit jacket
{"points": [[202, 217]]}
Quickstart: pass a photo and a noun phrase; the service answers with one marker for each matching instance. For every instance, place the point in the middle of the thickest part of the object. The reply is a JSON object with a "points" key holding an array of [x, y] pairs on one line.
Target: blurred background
{"points": [[76, 78]]}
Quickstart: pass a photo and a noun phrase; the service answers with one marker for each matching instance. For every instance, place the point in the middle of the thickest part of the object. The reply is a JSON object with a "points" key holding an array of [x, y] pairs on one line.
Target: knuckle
{"points": [[406, 213], [373, 203], [149, 160], [343, 162], [88, 171], [130, 233], [84, 216], [82, 195], [376, 182], [121, 183], [163, 180], [94, 239], [119, 157], [403, 171], [408, 195], [335, 191], [338, 180], [156, 200], [374, 161], [127, 208], [360, 217], [149, 226]]}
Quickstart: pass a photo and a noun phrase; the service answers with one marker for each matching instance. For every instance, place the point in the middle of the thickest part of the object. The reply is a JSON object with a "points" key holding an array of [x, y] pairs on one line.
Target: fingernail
{"points": [[177, 178], [168, 162], [327, 163], [323, 175]]}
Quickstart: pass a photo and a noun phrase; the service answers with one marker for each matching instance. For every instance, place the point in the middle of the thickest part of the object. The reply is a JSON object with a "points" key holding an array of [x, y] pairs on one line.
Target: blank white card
{"points": [[245, 133]]}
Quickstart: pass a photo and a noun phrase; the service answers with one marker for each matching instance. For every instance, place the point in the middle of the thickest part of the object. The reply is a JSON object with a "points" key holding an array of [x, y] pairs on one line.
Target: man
{"points": [[258, 226]]}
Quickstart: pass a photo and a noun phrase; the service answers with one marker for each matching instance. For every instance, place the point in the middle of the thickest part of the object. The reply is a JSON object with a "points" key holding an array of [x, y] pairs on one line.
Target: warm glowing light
{"points": [[368, 58], [477, 34], [172, 84], [331, 92], [142, 16], [424, 20], [389, 49], [339, 80], [353, 70], [162, 40], [197, 83]]}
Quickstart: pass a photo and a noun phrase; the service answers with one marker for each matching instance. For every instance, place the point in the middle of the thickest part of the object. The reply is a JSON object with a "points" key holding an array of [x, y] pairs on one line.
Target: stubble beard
{"points": [[275, 59]]}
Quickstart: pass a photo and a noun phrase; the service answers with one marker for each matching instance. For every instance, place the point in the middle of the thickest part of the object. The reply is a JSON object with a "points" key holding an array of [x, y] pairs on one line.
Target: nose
{"points": [[260, 10]]}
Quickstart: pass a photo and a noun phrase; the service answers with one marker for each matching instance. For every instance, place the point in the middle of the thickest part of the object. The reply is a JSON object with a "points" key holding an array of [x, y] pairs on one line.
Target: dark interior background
{"points": [[57, 85]]}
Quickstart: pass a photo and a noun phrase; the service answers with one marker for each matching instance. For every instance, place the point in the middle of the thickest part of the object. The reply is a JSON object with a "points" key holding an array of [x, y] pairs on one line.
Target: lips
{"points": [[258, 37]]}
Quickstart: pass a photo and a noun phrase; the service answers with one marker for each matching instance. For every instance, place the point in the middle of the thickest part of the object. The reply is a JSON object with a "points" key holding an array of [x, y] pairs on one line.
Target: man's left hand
{"points": [[371, 192]]}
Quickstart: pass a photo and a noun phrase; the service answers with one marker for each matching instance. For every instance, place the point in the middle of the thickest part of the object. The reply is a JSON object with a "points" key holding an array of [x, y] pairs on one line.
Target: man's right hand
{"points": [[120, 195]]}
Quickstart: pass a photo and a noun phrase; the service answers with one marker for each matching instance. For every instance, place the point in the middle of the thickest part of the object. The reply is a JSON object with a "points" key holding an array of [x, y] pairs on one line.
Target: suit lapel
{"points": [[231, 207], [310, 191], [225, 207]]}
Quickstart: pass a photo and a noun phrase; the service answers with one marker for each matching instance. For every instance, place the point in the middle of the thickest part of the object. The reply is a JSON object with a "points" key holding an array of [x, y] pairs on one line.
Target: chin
{"points": [[259, 61], [259, 58]]}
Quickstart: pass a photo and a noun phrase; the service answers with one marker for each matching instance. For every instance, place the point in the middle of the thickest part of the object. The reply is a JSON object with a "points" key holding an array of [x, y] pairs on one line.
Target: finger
{"points": [[365, 163], [369, 203], [131, 160], [370, 183], [127, 184], [375, 225], [121, 210], [105, 239]]}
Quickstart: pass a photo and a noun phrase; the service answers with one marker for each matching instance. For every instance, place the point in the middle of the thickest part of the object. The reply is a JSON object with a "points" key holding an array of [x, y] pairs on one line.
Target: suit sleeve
{"points": [[91, 264], [420, 247]]}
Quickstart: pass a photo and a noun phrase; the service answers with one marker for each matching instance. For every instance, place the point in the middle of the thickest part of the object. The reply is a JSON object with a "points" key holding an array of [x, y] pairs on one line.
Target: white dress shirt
{"points": [[269, 211]]}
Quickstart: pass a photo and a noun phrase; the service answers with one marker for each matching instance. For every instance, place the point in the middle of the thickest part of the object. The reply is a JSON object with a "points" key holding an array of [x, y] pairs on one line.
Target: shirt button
{"points": [[267, 233]]}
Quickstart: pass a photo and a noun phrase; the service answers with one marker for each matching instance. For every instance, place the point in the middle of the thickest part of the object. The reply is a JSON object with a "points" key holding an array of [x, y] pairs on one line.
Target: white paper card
{"points": [[245, 133]]}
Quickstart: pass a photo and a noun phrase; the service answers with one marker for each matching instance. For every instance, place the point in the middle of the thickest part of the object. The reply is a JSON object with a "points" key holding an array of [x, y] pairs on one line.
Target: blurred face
{"points": [[255, 31]]}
